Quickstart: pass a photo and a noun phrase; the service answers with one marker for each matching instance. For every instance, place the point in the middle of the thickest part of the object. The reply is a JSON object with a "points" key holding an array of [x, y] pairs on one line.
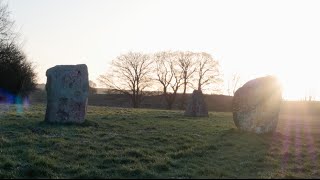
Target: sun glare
{"points": [[297, 86]]}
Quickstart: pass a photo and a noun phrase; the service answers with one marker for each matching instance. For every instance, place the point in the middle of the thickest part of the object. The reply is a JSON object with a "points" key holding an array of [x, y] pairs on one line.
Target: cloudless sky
{"points": [[252, 38]]}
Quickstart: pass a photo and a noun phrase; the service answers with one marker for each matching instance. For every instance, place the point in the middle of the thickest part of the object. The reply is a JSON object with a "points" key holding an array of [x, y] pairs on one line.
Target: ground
{"points": [[145, 143]]}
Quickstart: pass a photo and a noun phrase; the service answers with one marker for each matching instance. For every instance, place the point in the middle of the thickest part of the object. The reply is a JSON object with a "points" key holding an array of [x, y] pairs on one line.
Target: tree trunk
{"points": [[134, 101], [183, 97], [170, 98]]}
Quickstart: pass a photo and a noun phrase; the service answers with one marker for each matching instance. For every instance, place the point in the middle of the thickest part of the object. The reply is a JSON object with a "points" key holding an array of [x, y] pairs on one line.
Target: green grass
{"points": [[144, 143]]}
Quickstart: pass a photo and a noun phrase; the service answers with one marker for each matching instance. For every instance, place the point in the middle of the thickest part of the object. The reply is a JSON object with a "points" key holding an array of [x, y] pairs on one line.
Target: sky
{"points": [[248, 37]]}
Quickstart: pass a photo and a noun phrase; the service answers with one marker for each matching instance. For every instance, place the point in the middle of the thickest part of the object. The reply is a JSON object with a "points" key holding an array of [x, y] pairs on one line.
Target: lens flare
{"points": [[7, 99]]}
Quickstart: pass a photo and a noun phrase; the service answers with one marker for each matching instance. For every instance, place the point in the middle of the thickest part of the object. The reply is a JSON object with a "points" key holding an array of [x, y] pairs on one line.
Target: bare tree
{"points": [[187, 66], [207, 71], [168, 75], [17, 74], [7, 34], [233, 84], [130, 74], [163, 69]]}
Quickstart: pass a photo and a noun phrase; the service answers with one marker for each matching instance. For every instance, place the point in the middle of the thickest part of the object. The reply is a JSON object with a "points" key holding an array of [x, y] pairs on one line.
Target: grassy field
{"points": [[145, 143]]}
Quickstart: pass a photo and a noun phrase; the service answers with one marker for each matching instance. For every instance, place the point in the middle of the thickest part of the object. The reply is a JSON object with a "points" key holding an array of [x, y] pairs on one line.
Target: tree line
{"points": [[134, 73]]}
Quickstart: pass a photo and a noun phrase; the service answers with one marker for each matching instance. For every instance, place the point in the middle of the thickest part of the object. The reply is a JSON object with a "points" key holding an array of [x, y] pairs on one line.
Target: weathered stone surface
{"points": [[196, 105], [256, 105], [67, 93]]}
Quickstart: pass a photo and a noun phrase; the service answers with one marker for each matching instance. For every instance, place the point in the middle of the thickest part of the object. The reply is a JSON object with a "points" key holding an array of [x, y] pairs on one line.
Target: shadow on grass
{"points": [[86, 123]]}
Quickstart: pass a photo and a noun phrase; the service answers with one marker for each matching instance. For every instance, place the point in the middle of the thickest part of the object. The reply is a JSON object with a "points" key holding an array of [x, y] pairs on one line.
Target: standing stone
{"points": [[67, 93], [256, 105], [196, 105]]}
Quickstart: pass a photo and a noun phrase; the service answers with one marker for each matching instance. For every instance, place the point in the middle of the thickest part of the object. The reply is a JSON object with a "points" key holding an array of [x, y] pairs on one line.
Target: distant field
{"points": [[146, 143], [219, 103]]}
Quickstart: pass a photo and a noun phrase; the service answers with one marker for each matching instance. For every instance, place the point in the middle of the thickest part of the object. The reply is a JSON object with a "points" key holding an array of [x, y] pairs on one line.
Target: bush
{"points": [[17, 76]]}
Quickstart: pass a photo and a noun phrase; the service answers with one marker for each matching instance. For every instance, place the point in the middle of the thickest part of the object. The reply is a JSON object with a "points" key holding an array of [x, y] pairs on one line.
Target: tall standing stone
{"points": [[256, 105], [67, 93], [197, 107]]}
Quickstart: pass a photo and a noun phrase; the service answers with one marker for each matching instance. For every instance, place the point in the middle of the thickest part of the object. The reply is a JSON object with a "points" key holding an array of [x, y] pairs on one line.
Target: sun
{"points": [[296, 86]]}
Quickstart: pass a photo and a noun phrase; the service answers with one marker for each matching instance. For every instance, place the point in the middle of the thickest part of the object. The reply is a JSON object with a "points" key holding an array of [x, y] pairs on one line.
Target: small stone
{"points": [[196, 105], [256, 105], [67, 93]]}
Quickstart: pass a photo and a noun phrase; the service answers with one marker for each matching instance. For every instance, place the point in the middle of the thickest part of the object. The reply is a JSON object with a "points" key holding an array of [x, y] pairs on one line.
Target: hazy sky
{"points": [[252, 38]]}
